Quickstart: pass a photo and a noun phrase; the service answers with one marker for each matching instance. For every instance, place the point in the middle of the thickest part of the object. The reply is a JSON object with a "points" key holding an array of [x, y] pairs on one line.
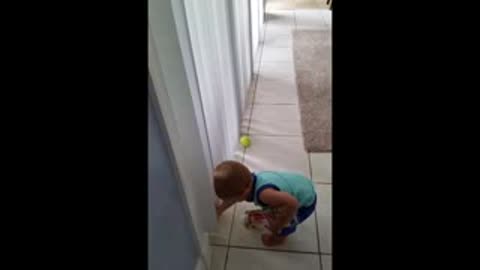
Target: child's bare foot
{"points": [[272, 240]]}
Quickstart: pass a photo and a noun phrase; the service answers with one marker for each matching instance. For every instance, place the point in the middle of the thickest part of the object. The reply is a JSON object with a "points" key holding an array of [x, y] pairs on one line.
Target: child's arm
{"points": [[284, 205], [222, 205]]}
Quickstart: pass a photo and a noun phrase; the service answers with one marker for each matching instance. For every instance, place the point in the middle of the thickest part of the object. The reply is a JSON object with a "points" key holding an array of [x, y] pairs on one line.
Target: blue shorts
{"points": [[302, 214]]}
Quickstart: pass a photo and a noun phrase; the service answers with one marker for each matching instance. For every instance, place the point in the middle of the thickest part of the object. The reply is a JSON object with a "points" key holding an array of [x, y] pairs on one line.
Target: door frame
{"points": [[177, 93], [201, 262], [175, 89]]}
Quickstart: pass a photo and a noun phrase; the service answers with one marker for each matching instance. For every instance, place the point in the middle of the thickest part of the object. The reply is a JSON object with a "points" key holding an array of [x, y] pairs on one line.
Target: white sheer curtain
{"points": [[219, 32]]}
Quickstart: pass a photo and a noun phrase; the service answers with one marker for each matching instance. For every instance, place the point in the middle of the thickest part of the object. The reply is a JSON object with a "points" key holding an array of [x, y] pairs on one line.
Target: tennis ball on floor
{"points": [[245, 141]]}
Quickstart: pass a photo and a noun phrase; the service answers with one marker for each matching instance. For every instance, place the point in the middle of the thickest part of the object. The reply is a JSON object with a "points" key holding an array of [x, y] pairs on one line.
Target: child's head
{"points": [[232, 180]]}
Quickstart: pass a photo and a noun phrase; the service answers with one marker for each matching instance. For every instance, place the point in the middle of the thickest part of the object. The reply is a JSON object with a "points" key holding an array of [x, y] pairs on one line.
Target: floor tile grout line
{"points": [[278, 47], [316, 219], [218, 245], [280, 62], [273, 135], [243, 154], [268, 249], [226, 259], [230, 235], [276, 104], [276, 250], [256, 83], [320, 246], [322, 183], [231, 224], [252, 104], [288, 136]]}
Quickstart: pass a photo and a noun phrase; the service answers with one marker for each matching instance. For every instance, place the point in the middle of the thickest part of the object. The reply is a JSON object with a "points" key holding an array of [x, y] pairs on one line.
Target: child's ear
{"points": [[246, 192]]}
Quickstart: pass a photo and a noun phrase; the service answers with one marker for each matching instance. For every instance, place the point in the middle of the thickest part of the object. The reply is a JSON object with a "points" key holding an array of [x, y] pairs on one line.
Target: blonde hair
{"points": [[231, 179]]}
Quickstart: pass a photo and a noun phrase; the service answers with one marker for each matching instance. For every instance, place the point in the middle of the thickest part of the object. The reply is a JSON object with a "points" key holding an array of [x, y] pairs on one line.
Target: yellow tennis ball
{"points": [[245, 141]]}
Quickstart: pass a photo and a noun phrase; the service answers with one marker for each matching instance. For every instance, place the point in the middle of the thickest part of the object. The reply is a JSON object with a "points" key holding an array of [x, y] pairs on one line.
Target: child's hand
{"points": [[273, 224], [218, 207], [284, 208], [222, 205]]}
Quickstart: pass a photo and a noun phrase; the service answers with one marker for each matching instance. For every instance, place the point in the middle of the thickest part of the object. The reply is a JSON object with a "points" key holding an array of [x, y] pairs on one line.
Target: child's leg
{"points": [[277, 238], [273, 239], [302, 214], [305, 212]]}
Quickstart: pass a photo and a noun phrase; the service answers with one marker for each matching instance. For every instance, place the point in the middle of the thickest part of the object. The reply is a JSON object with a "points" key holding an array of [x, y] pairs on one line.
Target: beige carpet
{"points": [[312, 57]]}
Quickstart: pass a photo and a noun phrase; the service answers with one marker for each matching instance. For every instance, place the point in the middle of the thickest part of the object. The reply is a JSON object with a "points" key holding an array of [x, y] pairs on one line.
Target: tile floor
{"points": [[272, 120], [292, 4]]}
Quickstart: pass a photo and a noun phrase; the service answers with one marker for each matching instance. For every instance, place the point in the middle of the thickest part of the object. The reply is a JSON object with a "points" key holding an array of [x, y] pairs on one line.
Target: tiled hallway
{"points": [[273, 122]]}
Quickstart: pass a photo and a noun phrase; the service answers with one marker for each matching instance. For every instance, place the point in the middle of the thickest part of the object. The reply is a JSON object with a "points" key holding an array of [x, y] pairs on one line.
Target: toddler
{"points": [[290, 198]]}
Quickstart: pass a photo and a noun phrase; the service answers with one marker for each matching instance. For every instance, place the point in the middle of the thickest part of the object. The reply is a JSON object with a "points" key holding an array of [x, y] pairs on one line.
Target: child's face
{"points": [[247, 191]]}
